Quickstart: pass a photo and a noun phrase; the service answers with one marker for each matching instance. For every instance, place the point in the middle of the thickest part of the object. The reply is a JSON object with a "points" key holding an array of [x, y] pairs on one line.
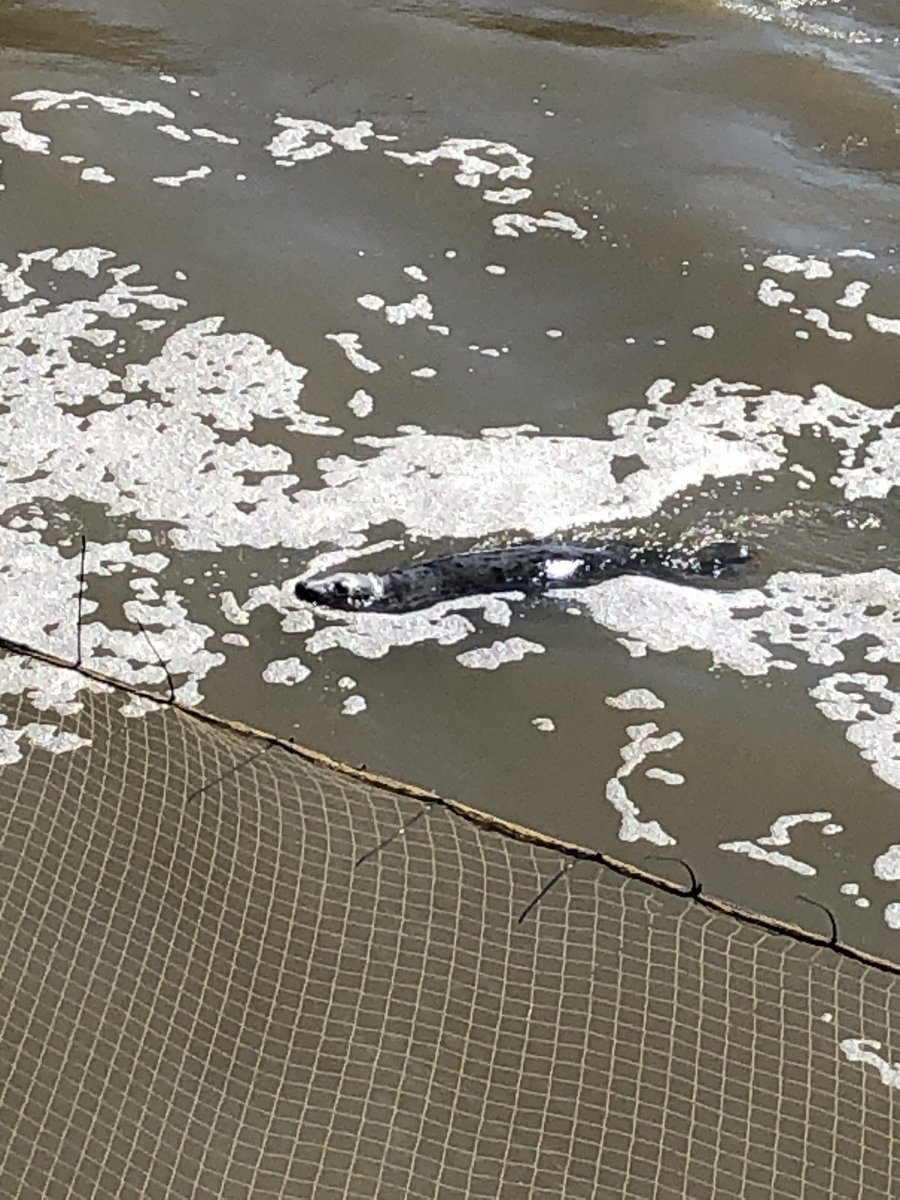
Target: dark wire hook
{"points": [[696, 886], [833, 941]]}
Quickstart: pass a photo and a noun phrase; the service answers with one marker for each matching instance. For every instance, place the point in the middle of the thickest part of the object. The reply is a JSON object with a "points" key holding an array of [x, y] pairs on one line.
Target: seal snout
{"points": [[346, 590], [304, 590]]}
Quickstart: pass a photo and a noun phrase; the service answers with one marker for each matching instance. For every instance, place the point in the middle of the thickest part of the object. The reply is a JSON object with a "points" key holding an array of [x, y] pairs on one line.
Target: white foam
{"points": [[173, 131], [672, 778], [870, 709], [633, 698], [496, 611], [351, 344], [507, 195], [419, 306], [373, 635], [865, 1050], [877, 473], [515, 223], [821, 320], [887, 865], [231, 610], [211, 134], [294, 144], [642, 742], [41, 736], [809, 268], [361, 403], [15, 134], [231, 379], [779, 830], [175, 181], [47, 688], [854, 294], [370, 301], [120, 106], [474, 159], [774, 858], [779, 835], [772, 295], [286, 671], [883, 324], [87, 260], [489, 658], [97, 175]]}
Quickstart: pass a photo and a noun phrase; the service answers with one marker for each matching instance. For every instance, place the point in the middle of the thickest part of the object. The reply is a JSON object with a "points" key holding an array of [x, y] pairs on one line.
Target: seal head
{"points": [[348, 590]]}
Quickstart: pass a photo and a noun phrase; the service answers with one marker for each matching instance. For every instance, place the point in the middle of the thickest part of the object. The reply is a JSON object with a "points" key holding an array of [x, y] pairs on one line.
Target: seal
{"points": [[528, 567]]}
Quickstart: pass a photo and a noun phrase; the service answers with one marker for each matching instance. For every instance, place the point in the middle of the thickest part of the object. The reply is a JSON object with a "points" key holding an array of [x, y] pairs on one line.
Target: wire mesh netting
{"points": [[229, 970]]}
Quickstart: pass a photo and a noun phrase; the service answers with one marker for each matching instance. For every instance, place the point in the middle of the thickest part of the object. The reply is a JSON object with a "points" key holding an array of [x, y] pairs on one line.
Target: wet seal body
{"points": [[529, 567]]}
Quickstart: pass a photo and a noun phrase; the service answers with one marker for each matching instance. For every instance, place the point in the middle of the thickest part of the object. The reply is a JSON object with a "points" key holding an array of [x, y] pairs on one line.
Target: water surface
{"points": [[362, 282]]}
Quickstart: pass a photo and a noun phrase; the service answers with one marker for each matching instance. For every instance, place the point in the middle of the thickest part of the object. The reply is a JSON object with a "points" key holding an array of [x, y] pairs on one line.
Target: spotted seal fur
{"points": [[529, 567]]}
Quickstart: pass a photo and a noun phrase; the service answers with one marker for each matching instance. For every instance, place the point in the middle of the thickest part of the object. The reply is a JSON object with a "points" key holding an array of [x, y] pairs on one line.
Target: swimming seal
{"points": [[529, 567]]}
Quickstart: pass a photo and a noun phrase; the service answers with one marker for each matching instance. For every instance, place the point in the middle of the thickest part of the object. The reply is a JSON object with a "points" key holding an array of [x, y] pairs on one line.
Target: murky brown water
{"points": [[354, 282]]}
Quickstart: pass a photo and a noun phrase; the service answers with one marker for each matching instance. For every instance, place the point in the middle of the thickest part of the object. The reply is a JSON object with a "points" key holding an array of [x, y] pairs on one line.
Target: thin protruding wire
{"points": [[392, 838], [551, 883], [159, 660], [78, 627], [232, 770]]}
